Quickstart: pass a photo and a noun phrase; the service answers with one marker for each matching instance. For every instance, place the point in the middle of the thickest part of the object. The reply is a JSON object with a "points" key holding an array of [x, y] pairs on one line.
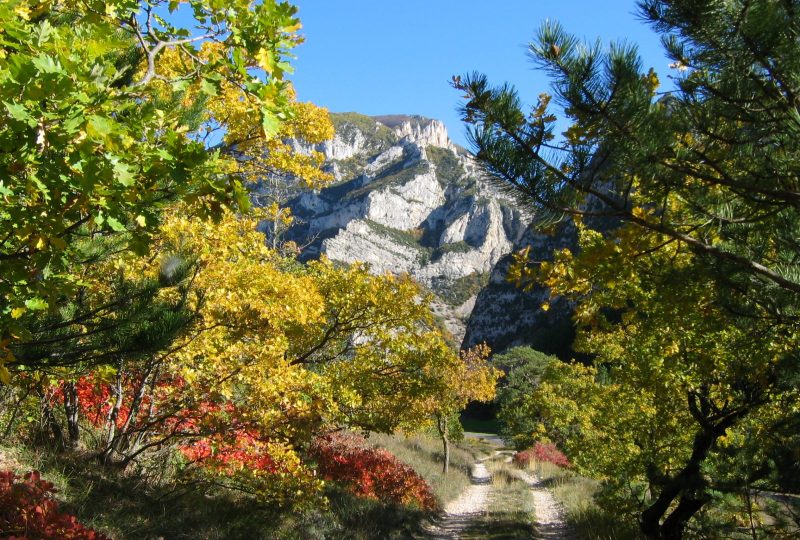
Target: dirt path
{"points": [[459, 514], [549, 516]]}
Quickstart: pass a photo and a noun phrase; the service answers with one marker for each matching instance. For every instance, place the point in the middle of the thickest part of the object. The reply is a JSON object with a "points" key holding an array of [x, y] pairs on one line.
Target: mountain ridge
{"points": [[406, 199]]}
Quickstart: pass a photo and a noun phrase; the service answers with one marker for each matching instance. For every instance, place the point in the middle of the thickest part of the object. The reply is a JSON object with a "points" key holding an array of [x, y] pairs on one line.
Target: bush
{"points": [[519, 418], [546, 452], [370, 472], [27, 510]]}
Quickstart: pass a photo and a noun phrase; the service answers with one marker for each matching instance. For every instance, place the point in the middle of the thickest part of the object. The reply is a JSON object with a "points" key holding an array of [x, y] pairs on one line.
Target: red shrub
{"points": [[370, 472], [27, 511], [241, 449], [542, 452]]}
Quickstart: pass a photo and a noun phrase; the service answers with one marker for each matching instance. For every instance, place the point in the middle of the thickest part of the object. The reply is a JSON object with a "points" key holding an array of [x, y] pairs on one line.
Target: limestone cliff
{"points": [[406, 199]]}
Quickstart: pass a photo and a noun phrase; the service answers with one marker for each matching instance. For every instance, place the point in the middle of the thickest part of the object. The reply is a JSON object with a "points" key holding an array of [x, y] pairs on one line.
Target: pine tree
{"points": [[701, 269]]}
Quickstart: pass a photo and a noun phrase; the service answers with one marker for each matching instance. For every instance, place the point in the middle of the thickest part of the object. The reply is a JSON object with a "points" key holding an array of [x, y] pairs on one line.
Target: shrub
{"points": [[28, 511], [370, 472], [542, 452]]}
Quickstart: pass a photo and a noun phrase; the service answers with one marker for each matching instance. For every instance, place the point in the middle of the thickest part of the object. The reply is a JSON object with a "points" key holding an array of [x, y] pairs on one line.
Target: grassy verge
{"points": [[135, 505], [424, 453], [576, 495]]}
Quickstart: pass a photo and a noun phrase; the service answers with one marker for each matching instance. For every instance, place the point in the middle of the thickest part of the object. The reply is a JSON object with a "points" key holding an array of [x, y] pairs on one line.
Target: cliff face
{"points": [[505, 316], [406, 199]]}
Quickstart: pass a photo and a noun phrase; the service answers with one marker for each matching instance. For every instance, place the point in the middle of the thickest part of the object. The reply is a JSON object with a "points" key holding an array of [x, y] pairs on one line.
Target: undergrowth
{"points": [[149, 503], [424, 453]]}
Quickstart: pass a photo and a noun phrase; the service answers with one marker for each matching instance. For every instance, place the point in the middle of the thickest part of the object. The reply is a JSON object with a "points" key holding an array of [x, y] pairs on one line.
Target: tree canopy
{"points": [[685, 281], [109, 110]]}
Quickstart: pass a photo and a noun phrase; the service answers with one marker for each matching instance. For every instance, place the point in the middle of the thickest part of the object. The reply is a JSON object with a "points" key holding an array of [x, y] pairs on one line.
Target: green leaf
{"points": [[123, 174], [36, 304], [72, 125], [180, 85], [269, 123], [44, 31], [19, 112], [286, 67], [208, 87], [115, 224], [99, 126], [46, 64], [58, 243]]}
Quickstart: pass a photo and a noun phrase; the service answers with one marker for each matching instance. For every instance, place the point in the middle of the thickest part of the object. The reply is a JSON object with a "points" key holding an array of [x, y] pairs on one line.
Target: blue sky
{"points": [[386, 57]]}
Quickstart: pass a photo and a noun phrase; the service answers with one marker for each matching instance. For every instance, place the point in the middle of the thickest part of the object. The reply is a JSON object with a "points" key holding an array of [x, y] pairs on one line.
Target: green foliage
{"points": [[131, 317], [462, 289], [377, 133], [403, 238], [686, 283], [453, 247], [95, 138], [524, 368], [448, 168], [395, 175]]}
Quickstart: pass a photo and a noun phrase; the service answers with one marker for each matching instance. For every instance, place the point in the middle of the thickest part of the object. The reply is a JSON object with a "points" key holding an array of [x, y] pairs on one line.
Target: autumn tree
{"points": [[670, 426], [270, 354], [97, 136], [687, 281], [471, 379], [284, 166]]}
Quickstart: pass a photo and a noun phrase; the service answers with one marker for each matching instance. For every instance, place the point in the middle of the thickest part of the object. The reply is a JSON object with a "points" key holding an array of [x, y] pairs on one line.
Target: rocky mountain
{"points": [[406, 199]]}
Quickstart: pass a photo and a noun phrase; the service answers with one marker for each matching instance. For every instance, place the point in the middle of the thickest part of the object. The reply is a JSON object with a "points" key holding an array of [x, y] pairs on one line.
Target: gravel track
{"points": [[459, 514], [549, 514]]}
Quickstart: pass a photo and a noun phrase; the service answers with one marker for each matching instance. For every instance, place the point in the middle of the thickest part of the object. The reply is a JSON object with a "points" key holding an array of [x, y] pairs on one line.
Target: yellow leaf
{"points": [[24, 12], [141, 221], [5, 376], [545, 306], [293, 28], [17, 312], [265, 59]]}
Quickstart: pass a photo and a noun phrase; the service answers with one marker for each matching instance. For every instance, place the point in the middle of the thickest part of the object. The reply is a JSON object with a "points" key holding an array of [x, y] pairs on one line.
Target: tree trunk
{"points": [[673, 526], [441, 426], [689, 486], [125, 436], [72, 411], [111, 420], [49, 419], [689, 478]]}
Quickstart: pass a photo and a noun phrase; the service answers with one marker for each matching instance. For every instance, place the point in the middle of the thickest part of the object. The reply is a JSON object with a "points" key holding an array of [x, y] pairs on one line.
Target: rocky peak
{"points": [[418, 130], [406, 199]]}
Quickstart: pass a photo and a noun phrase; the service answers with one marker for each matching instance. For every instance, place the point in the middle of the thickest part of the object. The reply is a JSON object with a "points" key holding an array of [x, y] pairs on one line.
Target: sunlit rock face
{"points": [[407, 200]]}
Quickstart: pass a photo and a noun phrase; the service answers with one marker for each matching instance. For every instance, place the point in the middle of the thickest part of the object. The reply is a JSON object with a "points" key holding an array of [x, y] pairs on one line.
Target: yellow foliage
{"points": [[299, 350]]}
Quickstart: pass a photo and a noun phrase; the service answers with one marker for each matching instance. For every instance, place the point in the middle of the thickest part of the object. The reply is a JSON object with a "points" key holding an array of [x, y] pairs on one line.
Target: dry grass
{"points": [[424, 453], [581, 513]]}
